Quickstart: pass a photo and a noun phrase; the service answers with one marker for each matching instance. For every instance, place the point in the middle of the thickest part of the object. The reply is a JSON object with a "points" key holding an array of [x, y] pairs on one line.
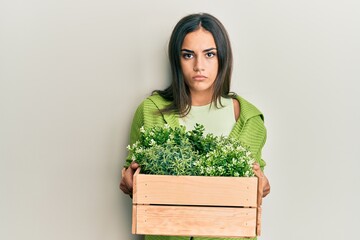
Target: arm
{"points": [[260, 174], [126, 184], [145, 116], [254, 135]]}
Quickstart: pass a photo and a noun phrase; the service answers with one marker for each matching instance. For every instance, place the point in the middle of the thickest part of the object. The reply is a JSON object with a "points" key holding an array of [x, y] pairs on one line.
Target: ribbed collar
{"points": [[247, 111]]}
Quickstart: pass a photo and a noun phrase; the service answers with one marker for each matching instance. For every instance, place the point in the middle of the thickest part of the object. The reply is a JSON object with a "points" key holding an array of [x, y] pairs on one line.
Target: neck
{"points": [[200, 99]]}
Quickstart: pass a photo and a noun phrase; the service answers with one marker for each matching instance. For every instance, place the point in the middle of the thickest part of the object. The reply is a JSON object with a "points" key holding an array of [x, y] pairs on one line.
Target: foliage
{"points": [[175, 151]]}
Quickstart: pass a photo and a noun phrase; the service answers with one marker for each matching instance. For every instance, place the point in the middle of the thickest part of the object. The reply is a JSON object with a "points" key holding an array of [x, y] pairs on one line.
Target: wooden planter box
{"points": [[196, 206]]}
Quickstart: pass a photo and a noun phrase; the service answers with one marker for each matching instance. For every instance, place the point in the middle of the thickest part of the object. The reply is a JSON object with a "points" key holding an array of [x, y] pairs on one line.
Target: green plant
{"points": [[175, 151]]}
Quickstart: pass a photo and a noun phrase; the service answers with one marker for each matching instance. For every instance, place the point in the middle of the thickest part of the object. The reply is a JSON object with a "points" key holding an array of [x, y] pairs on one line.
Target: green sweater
{"points": [[249, 128]]}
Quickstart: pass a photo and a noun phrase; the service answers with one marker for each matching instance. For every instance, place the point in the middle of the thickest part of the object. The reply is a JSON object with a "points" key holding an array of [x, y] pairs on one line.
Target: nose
{"points": [[199, 65]]}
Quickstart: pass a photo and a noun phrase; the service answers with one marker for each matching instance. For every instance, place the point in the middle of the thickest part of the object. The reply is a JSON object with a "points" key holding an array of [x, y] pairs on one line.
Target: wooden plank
{"points": [[195, 190], [258, 227], [134, 219], [135, 178], [196, 221], [260, 191]]}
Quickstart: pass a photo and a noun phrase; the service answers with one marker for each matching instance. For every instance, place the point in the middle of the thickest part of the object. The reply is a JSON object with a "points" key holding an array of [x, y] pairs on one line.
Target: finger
{"points": [[122, 185], [256, 166], [266, 187], [266, 192], [123, 172], [128, 179], [134, 165], [129, 175], [124, 188], [122, 177], [257, 170]]}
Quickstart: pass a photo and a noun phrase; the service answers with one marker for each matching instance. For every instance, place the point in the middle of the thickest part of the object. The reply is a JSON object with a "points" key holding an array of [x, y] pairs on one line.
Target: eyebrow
{"points": [[190, 51]]}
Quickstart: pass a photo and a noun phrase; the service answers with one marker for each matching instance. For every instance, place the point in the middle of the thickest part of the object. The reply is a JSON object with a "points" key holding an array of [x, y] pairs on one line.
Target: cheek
{"points": [[186, 69], [183, 66], [215, 69]]}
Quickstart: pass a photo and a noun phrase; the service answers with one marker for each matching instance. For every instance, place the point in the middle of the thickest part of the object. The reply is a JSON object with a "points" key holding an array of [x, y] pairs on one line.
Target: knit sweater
{"points": [[249, 128]]}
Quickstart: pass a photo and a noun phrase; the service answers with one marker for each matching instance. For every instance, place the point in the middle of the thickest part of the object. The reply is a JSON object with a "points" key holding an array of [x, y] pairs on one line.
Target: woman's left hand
{"points": [[261, 176]]}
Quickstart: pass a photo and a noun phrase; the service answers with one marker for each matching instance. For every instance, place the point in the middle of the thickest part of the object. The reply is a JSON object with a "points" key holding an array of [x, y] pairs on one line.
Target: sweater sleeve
{"points": [[253, 135], [146, 115], [137, 123]]}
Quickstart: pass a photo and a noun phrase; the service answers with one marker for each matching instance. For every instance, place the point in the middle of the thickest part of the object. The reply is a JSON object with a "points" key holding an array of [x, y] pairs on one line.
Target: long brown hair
{"points": [[178, 92]]}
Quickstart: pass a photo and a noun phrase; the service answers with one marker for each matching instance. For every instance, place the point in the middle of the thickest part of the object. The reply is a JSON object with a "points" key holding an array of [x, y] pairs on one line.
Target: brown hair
{"points": [[178, 92]]}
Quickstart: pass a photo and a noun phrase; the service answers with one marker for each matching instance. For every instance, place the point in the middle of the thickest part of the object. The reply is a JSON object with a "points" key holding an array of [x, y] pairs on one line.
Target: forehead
{"points": [[199, 40]]}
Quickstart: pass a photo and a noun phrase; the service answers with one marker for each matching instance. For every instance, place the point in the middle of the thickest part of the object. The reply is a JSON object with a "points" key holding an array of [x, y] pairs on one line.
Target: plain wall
{"points": [[73, 72]]}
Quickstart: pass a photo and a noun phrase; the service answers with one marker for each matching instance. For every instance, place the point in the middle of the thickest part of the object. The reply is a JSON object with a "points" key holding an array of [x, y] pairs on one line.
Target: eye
{"points": [[210, 54], [188, 55]]}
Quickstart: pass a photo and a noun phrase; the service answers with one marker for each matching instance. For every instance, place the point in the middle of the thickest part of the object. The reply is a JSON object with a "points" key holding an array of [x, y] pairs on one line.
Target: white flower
{"points": [[138, 150], [209, 169], [240, 148], [142, 129], [152, 142]]}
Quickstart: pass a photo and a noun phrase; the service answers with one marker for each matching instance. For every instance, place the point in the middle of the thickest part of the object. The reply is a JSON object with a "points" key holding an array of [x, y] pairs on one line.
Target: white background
{"points": [[72, 73]]}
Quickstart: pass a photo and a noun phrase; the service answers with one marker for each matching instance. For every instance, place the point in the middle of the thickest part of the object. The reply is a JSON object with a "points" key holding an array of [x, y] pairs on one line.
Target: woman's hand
{"points": [[263, 178], [126, 184]]}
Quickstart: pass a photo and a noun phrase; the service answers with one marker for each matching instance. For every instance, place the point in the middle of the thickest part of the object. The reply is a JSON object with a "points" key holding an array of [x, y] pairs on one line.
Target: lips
{"points": [[199, 77]]}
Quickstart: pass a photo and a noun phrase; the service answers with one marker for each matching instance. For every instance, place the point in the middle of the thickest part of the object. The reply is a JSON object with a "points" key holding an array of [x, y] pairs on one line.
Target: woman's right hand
{"points": [[126, 184]]}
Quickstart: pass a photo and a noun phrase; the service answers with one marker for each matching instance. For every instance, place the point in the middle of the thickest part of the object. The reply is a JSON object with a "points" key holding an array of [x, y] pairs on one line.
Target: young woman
{"points": [[201, 63]]}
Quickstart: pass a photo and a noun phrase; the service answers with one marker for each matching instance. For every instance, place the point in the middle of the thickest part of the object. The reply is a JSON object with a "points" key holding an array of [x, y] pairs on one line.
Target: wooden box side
{"points": [[134, 219], [259, 202], [196, 221], [195, 190], [258, 221]]}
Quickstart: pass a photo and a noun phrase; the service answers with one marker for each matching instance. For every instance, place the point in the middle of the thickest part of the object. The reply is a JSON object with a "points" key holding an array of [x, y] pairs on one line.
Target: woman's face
{"points": [[199, 62]]}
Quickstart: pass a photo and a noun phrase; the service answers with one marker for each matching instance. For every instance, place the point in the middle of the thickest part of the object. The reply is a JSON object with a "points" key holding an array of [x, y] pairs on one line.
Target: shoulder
{"points": [[158, 101], [247, 109], [236, 108], [153, 103], [150, 114]]}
